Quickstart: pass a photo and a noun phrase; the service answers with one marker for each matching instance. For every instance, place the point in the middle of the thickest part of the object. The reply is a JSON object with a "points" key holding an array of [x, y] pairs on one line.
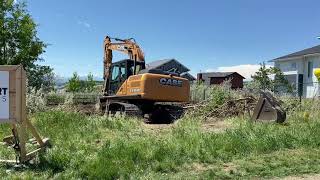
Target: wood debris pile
{"points": [[230, 108]]}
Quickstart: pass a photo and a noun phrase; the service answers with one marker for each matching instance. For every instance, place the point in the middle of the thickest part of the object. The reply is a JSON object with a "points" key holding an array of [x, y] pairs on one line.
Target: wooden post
{"points": [[18, 116]]}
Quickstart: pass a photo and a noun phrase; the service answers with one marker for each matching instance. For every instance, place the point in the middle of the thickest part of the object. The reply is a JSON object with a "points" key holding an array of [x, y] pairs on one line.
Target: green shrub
{"points": [[216, 96], [76, 85], [35, 101], [199, 92], [55, 98], [202, 92], [84, 98]]}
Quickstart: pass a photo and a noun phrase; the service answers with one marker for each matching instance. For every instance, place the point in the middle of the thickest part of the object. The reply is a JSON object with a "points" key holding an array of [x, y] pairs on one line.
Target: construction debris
{"points": [[230, 108], [268, 108]]}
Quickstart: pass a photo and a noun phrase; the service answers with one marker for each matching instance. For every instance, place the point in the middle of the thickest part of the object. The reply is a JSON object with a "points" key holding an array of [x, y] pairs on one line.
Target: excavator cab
{"points": [[120, 71]]}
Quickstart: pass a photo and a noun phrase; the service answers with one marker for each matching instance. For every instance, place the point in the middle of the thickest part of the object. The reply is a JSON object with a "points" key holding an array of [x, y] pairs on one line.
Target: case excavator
{"points": [[132, 89]]}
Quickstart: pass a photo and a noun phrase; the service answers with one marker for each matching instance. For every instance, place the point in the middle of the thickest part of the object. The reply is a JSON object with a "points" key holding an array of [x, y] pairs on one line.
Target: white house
{"points": [[298, 68]]}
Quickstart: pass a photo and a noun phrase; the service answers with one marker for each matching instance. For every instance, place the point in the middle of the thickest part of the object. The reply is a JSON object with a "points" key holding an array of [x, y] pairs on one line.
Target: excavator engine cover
{"points": [[268, 109]]}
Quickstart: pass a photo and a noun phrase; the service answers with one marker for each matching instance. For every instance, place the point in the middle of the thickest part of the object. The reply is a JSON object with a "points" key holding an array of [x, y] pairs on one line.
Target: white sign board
{"points": [[4, 95]]}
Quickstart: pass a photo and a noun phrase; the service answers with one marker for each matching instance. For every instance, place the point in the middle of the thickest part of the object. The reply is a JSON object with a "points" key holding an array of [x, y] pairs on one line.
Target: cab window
{"points": [[138, 68], [115, 73], [122, 73]]}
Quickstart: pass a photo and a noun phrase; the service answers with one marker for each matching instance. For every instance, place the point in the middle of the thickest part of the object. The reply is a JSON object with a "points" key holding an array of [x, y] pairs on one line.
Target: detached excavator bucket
{"points": [[268, 109]]}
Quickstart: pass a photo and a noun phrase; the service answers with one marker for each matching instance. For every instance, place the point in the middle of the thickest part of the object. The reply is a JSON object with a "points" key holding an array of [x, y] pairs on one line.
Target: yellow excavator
{"points": [[132, 89]]}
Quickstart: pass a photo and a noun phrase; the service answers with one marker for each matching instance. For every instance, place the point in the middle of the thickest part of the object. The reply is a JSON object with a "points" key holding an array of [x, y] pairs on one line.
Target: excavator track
{"points": [[127, 109], [165, 113], [155, 113]]}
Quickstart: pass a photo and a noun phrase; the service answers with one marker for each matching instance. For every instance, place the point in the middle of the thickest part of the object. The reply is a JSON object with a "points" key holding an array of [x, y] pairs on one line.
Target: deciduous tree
{"points": [[19, 43], [74, 83]]}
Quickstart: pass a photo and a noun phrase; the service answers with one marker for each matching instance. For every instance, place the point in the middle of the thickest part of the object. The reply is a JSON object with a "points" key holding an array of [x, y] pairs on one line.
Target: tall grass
{"points": [[120, 148], [109, 148], [187, 144]]}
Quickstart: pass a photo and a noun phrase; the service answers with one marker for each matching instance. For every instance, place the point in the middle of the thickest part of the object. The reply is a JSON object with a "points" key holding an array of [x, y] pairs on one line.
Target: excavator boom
{"points": [[126, 46]]}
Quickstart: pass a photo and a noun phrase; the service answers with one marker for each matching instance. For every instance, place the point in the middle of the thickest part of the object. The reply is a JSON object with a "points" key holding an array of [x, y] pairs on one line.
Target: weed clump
{"points": [[35, 101]]}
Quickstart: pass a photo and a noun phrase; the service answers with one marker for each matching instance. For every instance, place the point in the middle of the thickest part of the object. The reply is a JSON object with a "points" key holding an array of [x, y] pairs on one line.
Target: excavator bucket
{"points": [[268, 109]]}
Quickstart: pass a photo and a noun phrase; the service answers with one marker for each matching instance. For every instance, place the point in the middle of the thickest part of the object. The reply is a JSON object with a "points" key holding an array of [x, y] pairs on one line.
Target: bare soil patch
{"points": [[216, 125]]}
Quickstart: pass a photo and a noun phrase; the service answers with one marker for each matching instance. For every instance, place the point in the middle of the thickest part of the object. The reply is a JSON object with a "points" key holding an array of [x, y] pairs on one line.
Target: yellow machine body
{"points": [[156, 87]]}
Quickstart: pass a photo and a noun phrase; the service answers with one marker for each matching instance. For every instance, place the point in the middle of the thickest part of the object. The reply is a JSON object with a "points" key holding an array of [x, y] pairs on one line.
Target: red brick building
{"points": [[219, 77]]}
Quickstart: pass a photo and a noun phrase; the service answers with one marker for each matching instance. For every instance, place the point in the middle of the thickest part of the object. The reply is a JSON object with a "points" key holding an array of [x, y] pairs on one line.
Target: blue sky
{"points": [[202, 34]]}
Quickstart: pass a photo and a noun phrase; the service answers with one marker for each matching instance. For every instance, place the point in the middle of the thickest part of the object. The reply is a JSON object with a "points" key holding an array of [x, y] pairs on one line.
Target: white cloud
{"points": [[84, 23], [246, 70]]}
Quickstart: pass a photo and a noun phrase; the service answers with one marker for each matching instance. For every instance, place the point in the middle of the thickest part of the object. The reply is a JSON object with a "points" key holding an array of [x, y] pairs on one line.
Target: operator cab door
{"points": [[118, 76], [120, 71], [134, 70]]}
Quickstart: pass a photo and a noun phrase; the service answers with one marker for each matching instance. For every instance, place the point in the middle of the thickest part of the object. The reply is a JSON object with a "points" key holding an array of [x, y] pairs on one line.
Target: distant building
{"points": [[211, 78], [171, 65], [298, 69]]}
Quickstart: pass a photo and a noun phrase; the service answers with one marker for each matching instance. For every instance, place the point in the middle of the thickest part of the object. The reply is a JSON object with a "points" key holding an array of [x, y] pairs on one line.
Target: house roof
{"points": [[308, 51], [155, 64], [158, 63], [220, 74], [188, 75]]}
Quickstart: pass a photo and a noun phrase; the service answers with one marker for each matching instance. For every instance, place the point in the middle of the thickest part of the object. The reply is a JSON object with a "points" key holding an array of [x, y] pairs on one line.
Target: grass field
{"points": [[96, 147]]}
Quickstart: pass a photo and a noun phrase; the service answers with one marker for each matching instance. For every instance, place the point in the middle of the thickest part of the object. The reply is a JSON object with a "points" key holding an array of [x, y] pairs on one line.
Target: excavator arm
{"points": [[127, 46]]}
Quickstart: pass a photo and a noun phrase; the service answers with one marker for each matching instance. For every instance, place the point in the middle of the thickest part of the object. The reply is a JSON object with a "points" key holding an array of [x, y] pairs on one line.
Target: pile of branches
{"points": [[230, 108]]}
